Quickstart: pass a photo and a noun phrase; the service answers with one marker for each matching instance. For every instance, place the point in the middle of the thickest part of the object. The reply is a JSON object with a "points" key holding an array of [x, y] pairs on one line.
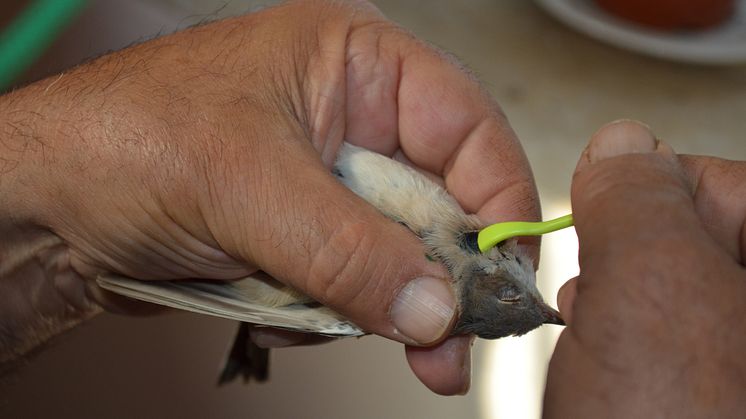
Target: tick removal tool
{"points": [[490, 236]]}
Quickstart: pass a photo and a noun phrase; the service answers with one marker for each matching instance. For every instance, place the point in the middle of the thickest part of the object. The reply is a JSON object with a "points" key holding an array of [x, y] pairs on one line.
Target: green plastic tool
{"points": [[31, 33], [490, 236]]}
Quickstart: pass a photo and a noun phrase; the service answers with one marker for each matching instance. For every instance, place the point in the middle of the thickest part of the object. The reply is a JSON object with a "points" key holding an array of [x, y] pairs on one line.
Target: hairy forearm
{"points": [[40, 295], [56, 135], [53, 133]]}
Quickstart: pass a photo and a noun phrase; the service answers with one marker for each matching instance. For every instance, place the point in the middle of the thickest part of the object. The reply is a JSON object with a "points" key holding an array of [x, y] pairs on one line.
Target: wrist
{"points": [[40, 296]]}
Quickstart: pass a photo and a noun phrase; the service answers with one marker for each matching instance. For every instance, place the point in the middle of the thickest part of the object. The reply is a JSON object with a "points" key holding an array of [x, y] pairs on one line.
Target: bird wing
{"points": [[398, 191], [229, 300]]}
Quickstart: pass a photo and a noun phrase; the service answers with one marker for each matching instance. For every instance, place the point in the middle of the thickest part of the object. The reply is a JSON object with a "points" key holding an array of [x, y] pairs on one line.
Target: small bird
{"points": [[496, 291]]}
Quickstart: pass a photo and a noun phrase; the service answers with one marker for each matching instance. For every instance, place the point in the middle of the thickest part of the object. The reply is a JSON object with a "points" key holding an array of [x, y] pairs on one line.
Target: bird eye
{"points": [[509, 294]]}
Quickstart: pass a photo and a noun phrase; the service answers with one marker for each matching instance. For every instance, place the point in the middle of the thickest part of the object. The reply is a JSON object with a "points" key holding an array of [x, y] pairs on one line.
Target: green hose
{"points": [[31, 33]]}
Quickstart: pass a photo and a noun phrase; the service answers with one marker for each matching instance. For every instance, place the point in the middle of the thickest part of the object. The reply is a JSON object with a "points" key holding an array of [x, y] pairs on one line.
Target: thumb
{"points": [[630, 197], [318, 237]]}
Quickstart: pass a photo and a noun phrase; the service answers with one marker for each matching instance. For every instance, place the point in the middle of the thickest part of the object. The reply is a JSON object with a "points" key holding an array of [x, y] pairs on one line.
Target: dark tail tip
{"points": [[245, 359]]}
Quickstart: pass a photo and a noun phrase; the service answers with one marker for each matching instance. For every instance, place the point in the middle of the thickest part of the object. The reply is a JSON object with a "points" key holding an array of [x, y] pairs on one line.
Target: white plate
{"points": [[725, 44]]}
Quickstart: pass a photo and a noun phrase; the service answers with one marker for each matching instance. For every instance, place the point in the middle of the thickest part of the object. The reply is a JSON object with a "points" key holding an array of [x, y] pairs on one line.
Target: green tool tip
{"points": [[492, 235]]}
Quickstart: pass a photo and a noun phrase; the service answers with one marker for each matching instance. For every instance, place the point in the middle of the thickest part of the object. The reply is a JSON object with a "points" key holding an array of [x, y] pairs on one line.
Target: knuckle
{"points": [[601, 185], [341, 270], [624, 181]]}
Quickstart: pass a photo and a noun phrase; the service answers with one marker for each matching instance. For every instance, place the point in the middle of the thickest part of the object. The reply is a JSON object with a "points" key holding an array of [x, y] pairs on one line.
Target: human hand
{"points": [[655, 318], [206, 154]]}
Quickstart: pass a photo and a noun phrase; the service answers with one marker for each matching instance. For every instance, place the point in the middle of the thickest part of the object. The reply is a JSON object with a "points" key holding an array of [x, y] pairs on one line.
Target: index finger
{"points": [[403, 94], [448, 125]]}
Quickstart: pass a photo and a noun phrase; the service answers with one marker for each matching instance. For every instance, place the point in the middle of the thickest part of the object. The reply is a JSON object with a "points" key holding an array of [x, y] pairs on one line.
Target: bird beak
{"points": [[551, 316]]}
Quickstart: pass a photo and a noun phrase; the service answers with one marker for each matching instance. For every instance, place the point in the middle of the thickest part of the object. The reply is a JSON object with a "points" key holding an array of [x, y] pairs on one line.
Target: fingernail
{"points": [[621, 137], [273, 338], [424, 309]]}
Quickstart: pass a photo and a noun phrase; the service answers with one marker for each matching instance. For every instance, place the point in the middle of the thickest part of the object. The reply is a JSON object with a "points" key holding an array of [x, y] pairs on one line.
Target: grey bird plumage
{"points": [[496, 291]]}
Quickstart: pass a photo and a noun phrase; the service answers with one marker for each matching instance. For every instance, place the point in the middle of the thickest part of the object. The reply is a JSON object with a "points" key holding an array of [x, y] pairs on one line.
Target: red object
{"points": [[671, 14]]}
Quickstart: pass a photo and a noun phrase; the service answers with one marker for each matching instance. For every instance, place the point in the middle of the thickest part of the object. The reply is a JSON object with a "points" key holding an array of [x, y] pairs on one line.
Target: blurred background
{"points": [[556, 85]]}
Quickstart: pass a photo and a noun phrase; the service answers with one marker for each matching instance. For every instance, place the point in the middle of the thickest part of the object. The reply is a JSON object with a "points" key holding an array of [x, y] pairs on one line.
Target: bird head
{"points": [[497, 290]]}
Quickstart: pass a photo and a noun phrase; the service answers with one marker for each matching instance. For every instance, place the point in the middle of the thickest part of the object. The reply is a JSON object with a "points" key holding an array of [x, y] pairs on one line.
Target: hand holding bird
{"points": [[219, 166]]}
